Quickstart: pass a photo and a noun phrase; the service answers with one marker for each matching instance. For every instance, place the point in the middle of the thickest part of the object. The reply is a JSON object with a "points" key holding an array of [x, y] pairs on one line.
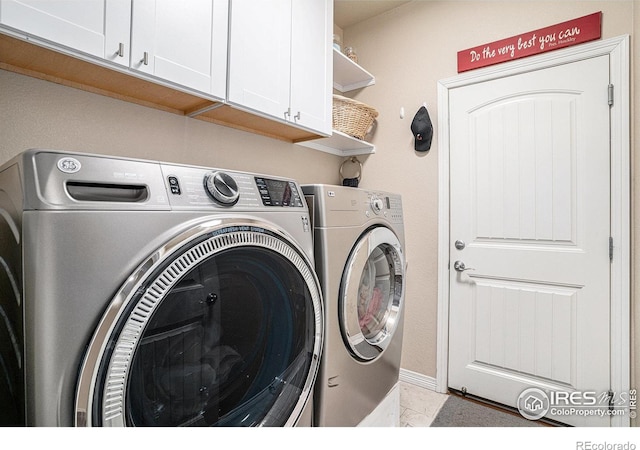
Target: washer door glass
{"points": [[372, 293], [224, 333]]}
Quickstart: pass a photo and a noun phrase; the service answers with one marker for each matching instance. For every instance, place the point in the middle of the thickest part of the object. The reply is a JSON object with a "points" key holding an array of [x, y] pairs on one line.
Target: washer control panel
{"points": [[278, 192], [200, 187], [222, 188]]}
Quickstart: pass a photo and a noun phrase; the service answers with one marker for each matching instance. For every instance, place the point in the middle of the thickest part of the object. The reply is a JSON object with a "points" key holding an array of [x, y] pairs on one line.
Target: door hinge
{"points": [[610, 94], [610, 249]]}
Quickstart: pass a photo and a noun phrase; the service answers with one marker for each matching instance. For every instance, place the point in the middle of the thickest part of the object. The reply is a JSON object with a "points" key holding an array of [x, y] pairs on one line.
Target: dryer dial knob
{"points": [[377, 204], [222, 188]]}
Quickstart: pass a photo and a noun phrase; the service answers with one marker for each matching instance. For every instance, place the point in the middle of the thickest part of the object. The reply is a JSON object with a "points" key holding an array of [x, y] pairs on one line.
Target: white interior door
{"points": [[530, 200]]}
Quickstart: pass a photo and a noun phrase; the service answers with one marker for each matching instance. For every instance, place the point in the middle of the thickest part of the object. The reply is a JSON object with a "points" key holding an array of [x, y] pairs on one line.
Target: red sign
{"points": [[558, 36]]}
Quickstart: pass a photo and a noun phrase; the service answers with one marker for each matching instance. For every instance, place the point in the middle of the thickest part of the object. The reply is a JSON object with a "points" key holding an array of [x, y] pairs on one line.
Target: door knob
{"points": [[460, 267]]}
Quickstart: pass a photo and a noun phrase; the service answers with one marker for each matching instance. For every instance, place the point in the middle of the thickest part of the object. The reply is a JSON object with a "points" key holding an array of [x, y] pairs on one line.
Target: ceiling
{"points": [[349, 12]]}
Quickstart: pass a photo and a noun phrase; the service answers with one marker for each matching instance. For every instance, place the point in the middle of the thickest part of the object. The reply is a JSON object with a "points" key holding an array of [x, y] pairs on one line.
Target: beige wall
{"points": [[408, 50], [35, 113]]}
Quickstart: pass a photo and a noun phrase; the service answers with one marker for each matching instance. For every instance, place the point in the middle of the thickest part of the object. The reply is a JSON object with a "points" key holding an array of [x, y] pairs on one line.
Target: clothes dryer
{"points": [[140, 293], [359, 249]]}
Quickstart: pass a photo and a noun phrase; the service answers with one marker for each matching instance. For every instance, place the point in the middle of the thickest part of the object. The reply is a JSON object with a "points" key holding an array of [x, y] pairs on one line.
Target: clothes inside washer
{"points": [[226, 347]]}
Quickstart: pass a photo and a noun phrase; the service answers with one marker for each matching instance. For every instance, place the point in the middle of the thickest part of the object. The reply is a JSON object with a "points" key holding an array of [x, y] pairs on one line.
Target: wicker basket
{"points": [[352, 117]]}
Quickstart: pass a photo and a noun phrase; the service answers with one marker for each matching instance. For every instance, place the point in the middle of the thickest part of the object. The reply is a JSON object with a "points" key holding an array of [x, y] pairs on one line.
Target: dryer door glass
{"points": [[224, 333], [372, 293]]}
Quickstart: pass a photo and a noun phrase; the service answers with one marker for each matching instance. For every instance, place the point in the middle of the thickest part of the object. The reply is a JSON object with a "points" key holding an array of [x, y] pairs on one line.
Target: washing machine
{"points": [[360, 261], [142, 293]]}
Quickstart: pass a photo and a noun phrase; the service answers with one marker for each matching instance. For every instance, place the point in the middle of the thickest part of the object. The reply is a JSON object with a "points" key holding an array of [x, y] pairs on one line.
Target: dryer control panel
{"points": [[377, 205], [346, 206], [384, 204]]}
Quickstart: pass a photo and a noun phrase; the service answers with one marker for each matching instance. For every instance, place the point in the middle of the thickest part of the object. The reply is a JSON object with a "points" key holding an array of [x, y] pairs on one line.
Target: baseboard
{"points": [[418, 379]]}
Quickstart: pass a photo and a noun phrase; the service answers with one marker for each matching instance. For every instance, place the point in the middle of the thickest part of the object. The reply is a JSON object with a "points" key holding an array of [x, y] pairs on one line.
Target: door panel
{"points": [[530, 197], [525, 183], [536, 324]]}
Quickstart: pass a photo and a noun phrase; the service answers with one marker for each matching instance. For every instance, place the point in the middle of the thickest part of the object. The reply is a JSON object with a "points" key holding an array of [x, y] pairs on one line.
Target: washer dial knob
{"points": [[377, 204], [222, 188]]}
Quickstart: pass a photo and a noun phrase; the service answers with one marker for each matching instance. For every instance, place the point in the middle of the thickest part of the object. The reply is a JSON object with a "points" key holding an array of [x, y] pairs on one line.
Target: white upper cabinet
{"points": [[280, 62], [260, 56], [259, 65], [99, 28], [312, 63], [182, 42]]}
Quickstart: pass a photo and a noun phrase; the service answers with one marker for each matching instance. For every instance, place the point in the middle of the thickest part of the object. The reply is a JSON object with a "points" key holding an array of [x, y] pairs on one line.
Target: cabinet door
{"points": [[94, 27], [312, 64], [259, 56], [182, 42]]}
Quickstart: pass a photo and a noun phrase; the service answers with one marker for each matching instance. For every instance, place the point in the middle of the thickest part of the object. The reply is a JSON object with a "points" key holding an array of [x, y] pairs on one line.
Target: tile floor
{"points": [[418, 406]]}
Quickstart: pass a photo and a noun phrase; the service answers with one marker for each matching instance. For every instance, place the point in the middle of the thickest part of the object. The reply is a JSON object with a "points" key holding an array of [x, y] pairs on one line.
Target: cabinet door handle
{"points": [[287, 113], [145, 59], [297, 116], [120, 51]]}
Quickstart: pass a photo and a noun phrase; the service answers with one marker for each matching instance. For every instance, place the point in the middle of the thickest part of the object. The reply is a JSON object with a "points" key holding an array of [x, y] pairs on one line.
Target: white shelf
{"points": [[340, 144], [348, 75]]}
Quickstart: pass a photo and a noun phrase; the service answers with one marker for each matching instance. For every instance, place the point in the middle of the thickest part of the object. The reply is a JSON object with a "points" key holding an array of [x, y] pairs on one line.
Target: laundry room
{"points": [[410, 49]]}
